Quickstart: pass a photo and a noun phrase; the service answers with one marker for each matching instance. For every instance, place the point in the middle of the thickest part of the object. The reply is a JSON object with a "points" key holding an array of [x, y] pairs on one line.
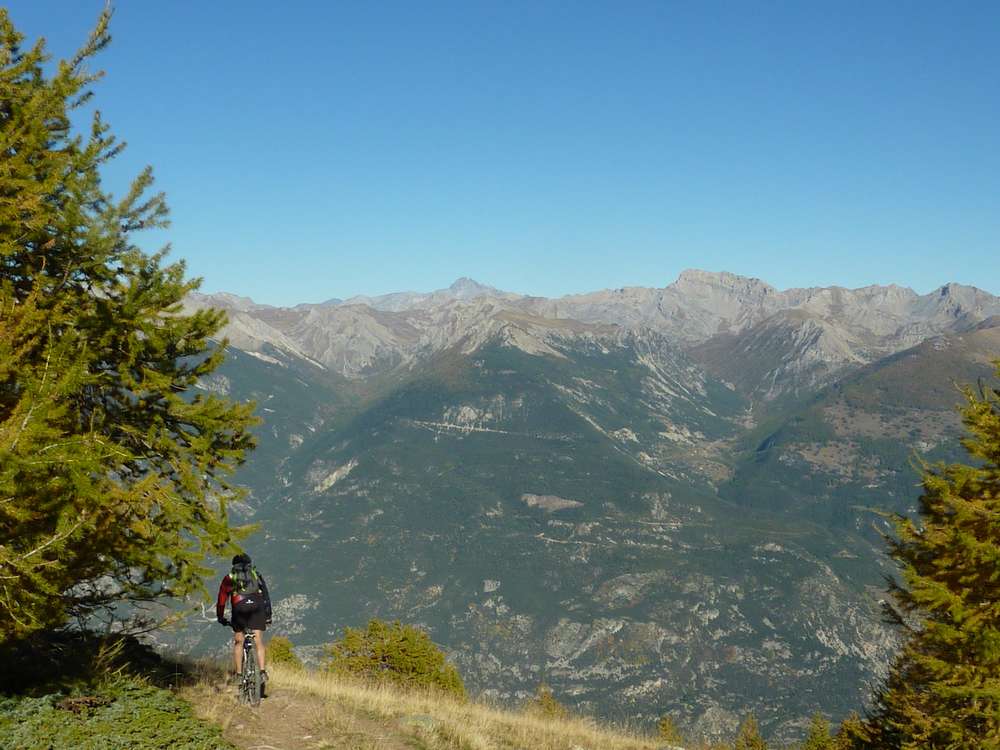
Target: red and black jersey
{"points": [[228, 593]]}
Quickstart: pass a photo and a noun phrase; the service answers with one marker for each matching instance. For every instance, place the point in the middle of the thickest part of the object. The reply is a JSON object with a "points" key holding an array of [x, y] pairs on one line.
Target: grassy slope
{"points": [[317, 711]]}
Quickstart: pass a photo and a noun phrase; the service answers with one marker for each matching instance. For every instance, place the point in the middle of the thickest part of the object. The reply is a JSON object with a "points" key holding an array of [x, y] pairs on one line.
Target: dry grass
{"points": [[432, 721], [211, 702]]}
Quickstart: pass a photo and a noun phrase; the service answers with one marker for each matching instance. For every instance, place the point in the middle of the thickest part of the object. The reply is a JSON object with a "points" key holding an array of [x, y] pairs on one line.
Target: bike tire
{"points": [[252, 681]]}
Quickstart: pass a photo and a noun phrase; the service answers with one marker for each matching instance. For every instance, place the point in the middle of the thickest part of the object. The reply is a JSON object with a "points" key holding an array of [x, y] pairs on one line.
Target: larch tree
{"points": [[943, 690], [114, 472]]}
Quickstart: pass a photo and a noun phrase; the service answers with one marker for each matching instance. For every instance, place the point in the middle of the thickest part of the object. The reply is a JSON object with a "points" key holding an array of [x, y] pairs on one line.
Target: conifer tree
{"points": [[546, 704], [850, 733], [819, 734], [748, 736], [113, 477], [943, 690], [668, 731]]}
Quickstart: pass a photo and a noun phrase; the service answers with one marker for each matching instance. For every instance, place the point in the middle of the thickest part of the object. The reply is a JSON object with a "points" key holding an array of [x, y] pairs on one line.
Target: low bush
{"points": [[57, 661], [124, 712], [396, 653], [545, 704], [281, 651]]}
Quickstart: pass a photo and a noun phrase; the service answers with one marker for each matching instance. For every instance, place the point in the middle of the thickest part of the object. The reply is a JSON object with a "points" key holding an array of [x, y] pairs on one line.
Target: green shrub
{"points": [[280, 651], [545, 704], [397, 653], [122, 713], [51, 662], [89, 692]]}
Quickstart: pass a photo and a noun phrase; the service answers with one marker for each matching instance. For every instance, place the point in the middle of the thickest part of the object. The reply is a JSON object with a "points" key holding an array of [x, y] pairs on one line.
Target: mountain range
{"points": [[655, 500]]}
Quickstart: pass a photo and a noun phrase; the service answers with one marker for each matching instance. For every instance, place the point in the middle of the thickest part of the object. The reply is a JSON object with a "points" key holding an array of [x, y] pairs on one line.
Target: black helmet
{"points": [[241, 559]]}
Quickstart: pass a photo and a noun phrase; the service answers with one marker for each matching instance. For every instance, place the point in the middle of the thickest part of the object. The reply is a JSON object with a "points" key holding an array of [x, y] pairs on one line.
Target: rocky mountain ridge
{"points": [[808, 336]]}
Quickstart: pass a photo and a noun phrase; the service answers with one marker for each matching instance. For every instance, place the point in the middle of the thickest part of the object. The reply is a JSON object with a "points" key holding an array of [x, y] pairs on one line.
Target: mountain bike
{"points": [[251, 679]]}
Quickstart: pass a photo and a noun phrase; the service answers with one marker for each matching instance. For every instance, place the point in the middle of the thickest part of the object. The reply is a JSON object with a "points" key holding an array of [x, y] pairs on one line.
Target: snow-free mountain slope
{"points": [[555, 517], [657, 500]]}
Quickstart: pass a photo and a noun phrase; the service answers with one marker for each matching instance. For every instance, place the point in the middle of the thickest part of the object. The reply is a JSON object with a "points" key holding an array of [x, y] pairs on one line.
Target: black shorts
{"points": [[255, 620]]}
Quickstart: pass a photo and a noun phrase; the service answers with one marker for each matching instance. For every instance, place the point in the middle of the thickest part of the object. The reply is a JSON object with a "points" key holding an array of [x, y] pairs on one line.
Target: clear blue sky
{"points": [[323, 149]]}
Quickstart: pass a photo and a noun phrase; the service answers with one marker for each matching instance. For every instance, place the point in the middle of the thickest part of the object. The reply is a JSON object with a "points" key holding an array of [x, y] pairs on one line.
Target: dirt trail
{"points": [[292, 720]]}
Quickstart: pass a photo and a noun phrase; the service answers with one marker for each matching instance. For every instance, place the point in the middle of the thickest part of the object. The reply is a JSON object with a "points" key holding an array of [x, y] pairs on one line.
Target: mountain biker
{"points": [[250, 602]]}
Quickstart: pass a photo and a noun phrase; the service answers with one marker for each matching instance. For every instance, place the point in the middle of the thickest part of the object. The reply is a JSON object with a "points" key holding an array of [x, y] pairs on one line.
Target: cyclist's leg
{"points": [[258, 637], [238, 651]]}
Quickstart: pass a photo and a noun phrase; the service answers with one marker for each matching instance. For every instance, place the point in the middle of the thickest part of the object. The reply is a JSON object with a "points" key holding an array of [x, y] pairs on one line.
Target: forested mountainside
{"points": [[655, 500]]}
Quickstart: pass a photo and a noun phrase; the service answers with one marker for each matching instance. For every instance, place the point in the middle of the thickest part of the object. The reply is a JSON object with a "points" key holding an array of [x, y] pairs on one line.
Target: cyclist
{"points": [[247, 593]]}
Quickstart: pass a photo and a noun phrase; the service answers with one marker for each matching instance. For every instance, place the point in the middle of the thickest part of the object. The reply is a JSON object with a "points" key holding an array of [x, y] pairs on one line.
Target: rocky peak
{"points": [[466, 288], [953, 303], [692, 279], [225, 300], [964, 294]]}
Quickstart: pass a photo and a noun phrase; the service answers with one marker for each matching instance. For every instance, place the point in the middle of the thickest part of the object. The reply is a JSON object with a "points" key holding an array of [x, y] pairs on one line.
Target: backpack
{"points": [[246, 587]]}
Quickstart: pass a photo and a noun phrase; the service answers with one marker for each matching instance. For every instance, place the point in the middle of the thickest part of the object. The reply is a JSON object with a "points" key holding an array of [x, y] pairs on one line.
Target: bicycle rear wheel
{"points": [[250, 687]]}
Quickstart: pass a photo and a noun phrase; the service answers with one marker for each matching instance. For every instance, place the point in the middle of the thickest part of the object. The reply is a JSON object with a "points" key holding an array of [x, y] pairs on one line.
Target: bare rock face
{"points": [[550, 503], [706, 304], [787, 354]]}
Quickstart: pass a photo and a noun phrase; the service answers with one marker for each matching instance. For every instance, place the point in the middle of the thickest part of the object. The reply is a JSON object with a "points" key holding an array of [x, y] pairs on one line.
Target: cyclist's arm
{"points": [[225, 589], [267, 596]]}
